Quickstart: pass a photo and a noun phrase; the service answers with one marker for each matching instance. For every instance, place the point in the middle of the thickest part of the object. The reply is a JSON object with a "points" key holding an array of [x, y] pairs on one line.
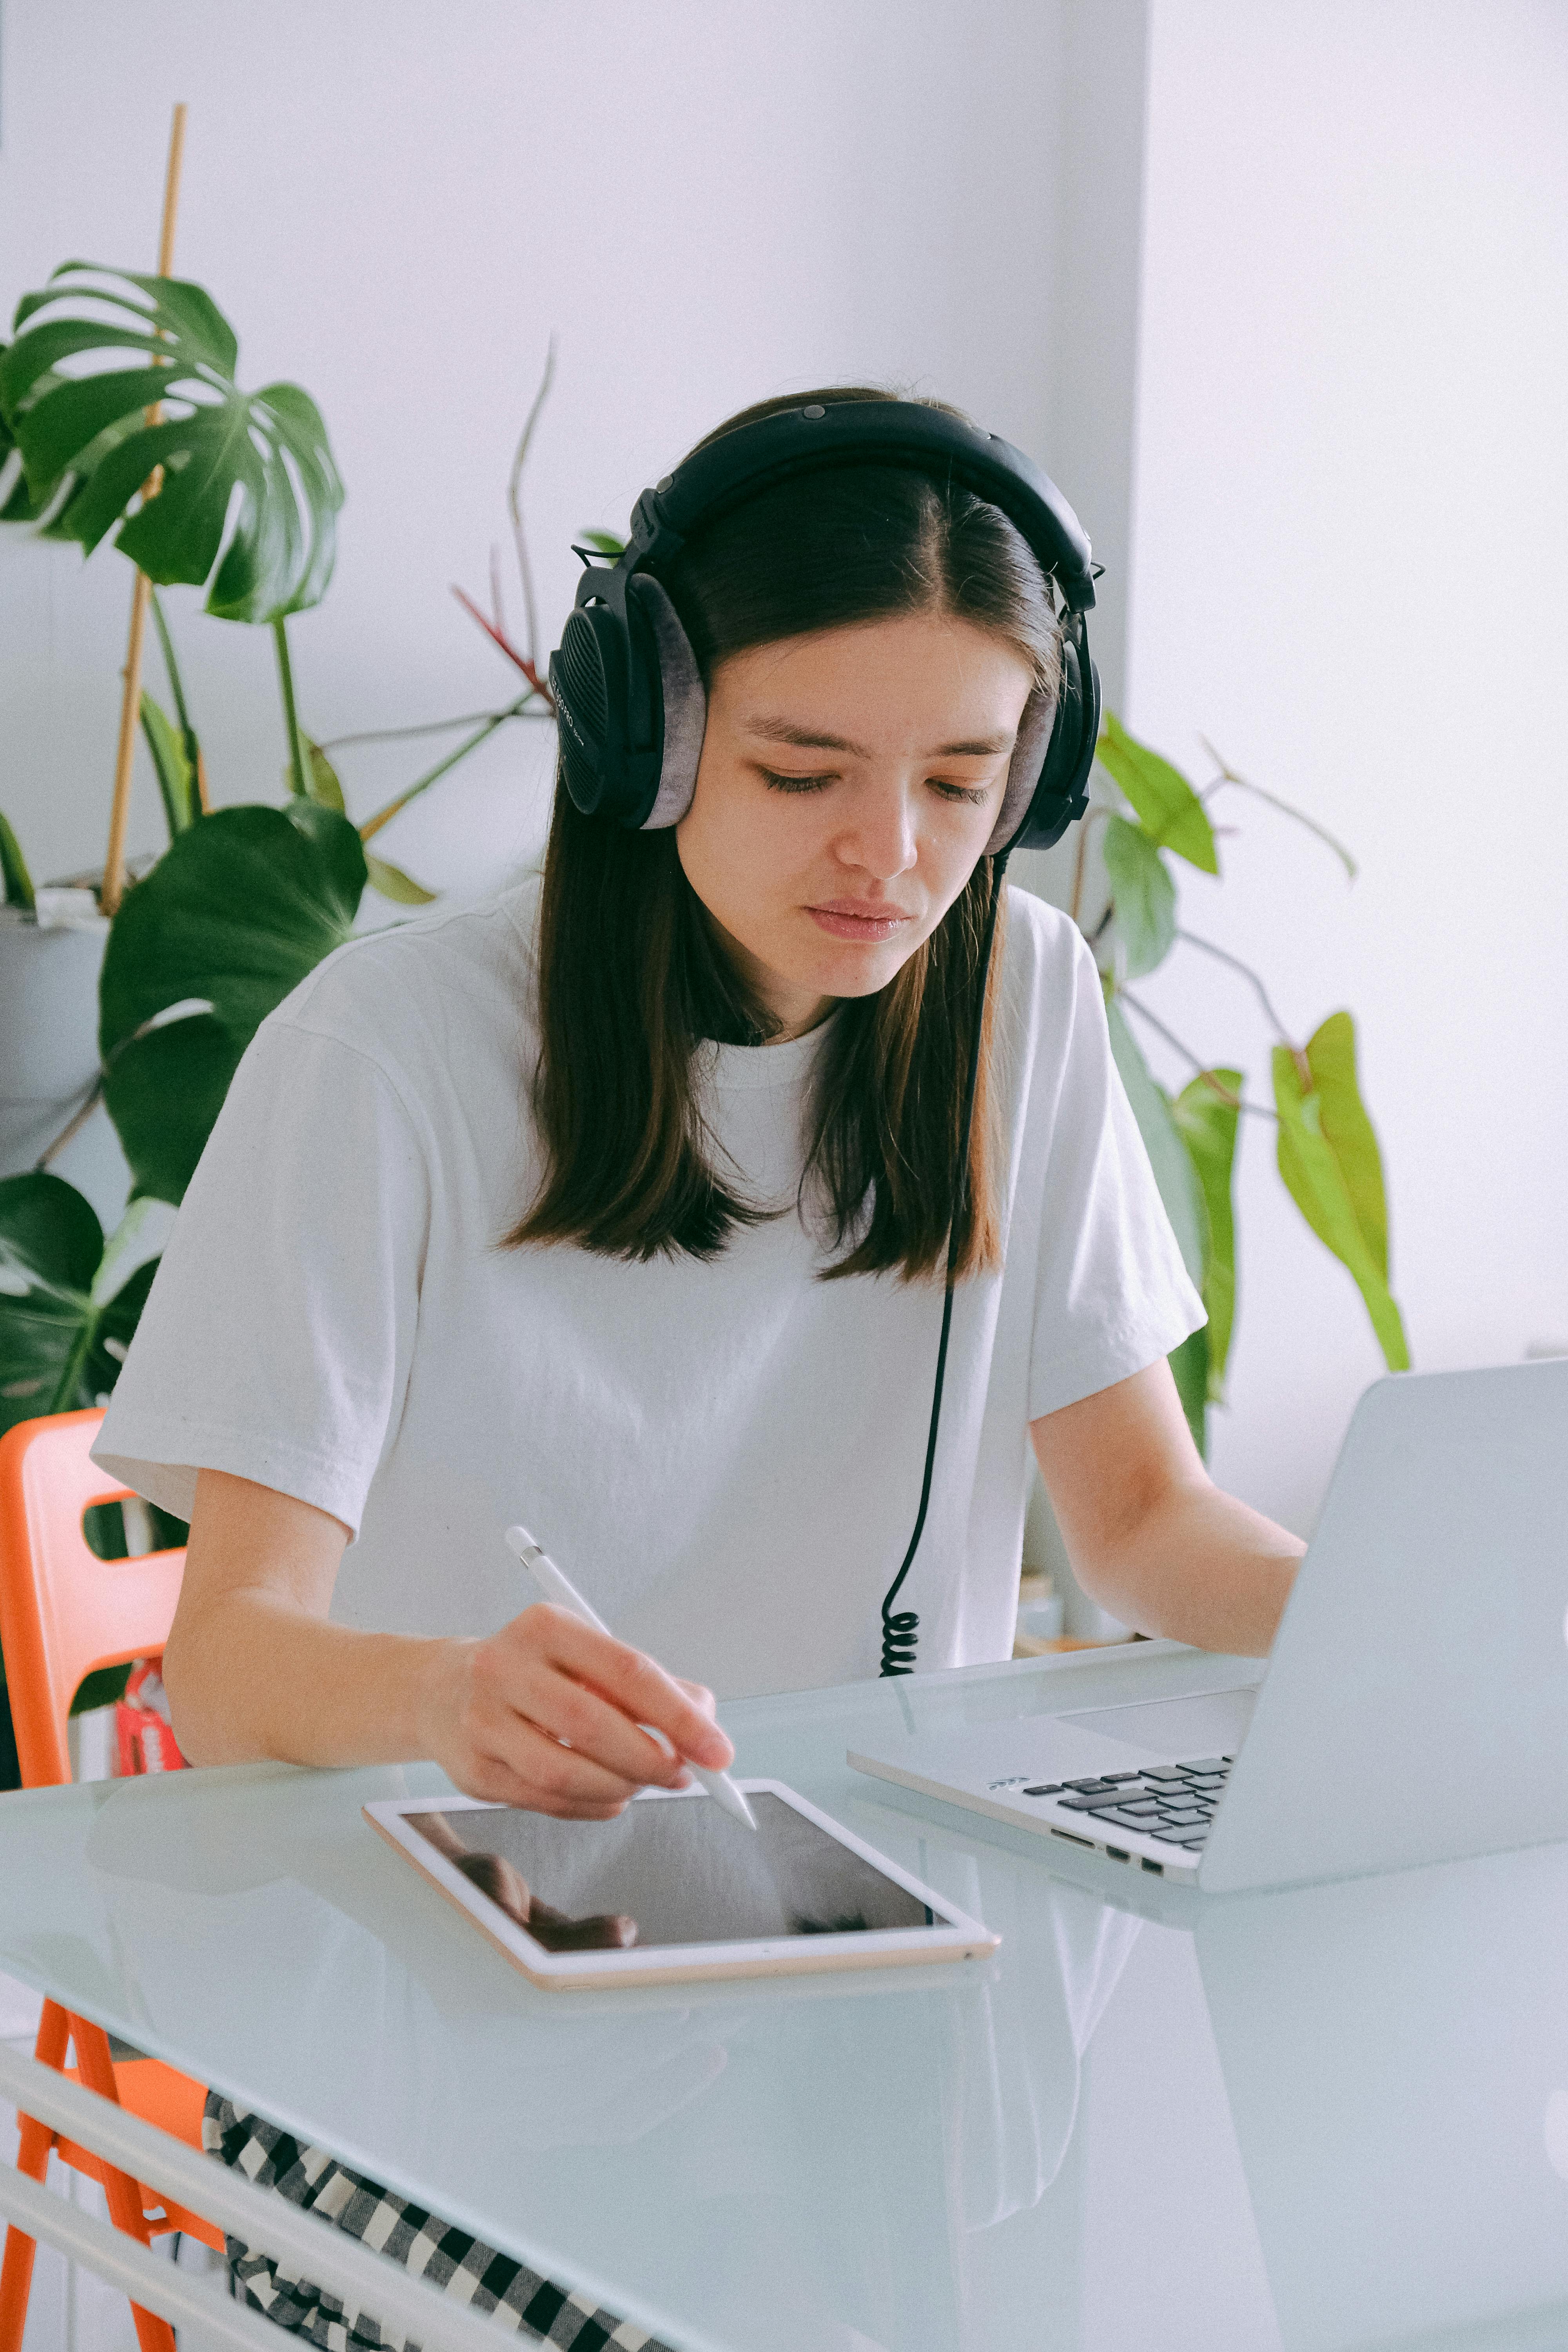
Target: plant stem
{"points": [[514, 507], [65, 1396], [1227, 775], [405, 734], [172, 666], [1078, 872], [1225, 956], [422, 784], [1234, 1102], [290, 717], [73, 1125]]}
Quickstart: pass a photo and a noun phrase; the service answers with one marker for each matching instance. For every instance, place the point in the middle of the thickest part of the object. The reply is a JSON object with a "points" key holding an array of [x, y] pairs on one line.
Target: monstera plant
{"points": [[122, 423], [1325, 1146]]}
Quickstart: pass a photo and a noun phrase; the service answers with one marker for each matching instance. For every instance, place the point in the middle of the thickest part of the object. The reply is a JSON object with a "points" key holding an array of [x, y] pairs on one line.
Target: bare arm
{"points": [[1149, 1534], [547, 1713]]}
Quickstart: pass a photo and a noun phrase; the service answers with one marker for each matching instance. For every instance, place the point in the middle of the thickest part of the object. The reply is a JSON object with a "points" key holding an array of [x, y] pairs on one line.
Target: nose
{"points": [[880, 840]]}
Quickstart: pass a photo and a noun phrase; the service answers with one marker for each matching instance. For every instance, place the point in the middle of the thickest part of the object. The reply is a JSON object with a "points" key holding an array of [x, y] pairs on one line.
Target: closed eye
{"points": [[970, 795], [795, 783]]}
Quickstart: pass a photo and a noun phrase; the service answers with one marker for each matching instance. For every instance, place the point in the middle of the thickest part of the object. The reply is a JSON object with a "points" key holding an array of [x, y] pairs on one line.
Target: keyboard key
{"points": [[1126, 1808], [1046, 1789], [1206, 1764], [1159, 1773], [1102, 1780], [1123, 1820], [1187, 1819], [1173, 1832]]}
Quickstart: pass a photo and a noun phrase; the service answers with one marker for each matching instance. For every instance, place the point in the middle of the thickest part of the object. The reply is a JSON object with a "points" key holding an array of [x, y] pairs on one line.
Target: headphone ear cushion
{"points": [[1025, 769], [685, 704], [1061, 790]]}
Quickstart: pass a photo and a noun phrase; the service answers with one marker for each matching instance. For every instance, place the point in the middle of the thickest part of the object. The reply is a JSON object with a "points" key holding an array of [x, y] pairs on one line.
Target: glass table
{"points": [[1335, 2117]]}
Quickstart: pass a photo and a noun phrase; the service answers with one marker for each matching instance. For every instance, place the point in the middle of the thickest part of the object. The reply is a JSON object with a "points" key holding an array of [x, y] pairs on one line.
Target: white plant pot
{"points": [[49, 1032]]}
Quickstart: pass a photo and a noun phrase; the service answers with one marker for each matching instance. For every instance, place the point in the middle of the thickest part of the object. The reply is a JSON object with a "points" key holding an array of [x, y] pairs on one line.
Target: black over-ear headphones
{"points": [[626, 685], [632, 708]]}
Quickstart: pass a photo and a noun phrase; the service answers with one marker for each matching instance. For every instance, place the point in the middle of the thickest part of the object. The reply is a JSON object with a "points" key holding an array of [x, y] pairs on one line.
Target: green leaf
{"points": [[104, 1687], [163, 1091], [233, 917], [1333, 1170], [1190, 1370], [605, 542], [1177, 1181], [1168, 808], [1144, 894], [1168, 1155], [51, 1245], [250, 494], [320, 778], [1207, 1125], [182, 806], [15, 882], [394, 882]]}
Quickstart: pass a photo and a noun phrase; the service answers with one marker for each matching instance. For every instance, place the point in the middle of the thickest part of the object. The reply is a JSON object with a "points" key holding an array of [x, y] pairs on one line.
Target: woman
{"points": [[621, 1205]]}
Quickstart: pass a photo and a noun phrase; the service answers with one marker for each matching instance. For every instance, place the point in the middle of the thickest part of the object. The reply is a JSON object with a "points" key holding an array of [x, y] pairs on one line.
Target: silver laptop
{"points": [[1415, 1708]]}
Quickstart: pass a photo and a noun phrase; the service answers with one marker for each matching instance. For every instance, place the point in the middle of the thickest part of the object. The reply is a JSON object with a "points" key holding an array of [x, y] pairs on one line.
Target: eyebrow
{"points": [[809, 738]]}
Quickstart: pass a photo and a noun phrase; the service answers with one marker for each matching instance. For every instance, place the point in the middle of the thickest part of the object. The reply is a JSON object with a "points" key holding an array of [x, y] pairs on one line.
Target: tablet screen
{"points": [[669, 1871]]}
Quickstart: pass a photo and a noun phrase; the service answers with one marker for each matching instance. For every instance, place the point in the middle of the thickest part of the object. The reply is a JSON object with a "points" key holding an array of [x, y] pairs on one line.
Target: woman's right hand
{"points": [[550, 1713]]}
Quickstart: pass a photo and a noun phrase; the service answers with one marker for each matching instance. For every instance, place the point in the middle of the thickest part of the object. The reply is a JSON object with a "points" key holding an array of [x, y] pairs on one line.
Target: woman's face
{"points": [[849, 781]]}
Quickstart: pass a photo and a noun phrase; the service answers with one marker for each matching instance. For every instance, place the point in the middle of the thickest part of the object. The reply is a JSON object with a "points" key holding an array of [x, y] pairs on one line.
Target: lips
{"points": [[867, 919]]}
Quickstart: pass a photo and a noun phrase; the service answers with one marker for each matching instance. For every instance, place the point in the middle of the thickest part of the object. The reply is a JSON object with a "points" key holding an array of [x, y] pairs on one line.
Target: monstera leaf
{"points": [[236, 912], [67, 1307], [250, 493]]}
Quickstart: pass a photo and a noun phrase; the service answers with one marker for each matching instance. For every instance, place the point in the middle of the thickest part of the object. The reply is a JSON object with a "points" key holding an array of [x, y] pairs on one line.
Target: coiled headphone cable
{"points": [[901, 1627]]}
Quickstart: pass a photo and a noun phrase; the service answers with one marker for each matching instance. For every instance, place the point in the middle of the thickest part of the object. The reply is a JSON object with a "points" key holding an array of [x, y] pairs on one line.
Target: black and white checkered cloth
{"points": [[530, 2306]]}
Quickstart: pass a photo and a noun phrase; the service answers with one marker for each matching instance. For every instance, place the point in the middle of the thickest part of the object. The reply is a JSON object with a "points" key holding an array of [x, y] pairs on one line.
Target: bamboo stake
{"points": [[113, 888]]}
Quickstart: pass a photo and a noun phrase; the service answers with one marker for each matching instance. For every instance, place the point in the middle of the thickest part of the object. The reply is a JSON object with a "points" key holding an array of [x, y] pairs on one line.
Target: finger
{"points": [[699, 1695], [527, 1677], [639, 1687], [547, 1776]]}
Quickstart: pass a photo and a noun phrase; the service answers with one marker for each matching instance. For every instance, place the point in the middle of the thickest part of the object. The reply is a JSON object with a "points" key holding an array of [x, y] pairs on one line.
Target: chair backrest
{"points": [[64, 1613]]}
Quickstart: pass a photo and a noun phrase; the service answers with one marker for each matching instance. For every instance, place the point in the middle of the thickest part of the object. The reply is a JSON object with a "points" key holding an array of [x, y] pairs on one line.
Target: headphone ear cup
{"points": [[585, 671], [1061, 795]]}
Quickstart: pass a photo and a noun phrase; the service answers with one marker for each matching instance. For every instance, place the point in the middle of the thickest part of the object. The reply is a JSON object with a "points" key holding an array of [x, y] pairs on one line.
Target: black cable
{"points": [[900, 1628]]}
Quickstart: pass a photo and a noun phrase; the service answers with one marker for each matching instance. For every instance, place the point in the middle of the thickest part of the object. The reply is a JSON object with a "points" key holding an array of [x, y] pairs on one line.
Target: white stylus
{"points": [[558, 1587]]}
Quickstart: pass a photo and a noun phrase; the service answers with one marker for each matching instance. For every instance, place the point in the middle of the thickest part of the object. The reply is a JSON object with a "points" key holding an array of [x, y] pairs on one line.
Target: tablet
{"points": [[676, 1888]]}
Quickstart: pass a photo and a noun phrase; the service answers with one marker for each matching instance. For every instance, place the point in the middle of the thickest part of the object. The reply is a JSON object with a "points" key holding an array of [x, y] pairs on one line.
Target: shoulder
{"points": [[1046, 955], [428, 995]]}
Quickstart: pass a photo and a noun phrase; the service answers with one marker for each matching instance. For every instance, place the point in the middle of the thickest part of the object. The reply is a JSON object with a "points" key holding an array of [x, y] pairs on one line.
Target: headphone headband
{"points": [[740, 464], [628, 690]]}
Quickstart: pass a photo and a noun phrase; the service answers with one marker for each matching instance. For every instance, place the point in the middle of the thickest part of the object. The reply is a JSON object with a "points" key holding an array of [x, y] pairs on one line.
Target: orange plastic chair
{"points": [[64, 1613]]}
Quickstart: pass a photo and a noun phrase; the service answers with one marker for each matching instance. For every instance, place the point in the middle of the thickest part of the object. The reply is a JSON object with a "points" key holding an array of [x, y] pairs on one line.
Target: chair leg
{"points": [[96, 2069], [33, 2141]]}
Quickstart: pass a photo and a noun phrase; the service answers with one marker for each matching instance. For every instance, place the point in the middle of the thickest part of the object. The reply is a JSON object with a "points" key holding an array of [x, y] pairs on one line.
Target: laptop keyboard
{"points": [[1173, 1802]]}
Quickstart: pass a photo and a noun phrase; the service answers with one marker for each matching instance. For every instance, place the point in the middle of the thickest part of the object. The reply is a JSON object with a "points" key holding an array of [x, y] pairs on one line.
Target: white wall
{"points": [[397, 204], [1342, 375], [1350, 516]]}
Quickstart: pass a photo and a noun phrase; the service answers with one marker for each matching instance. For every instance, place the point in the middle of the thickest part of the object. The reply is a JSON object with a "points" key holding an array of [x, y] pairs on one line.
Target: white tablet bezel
{"points": [[962, 1938]]}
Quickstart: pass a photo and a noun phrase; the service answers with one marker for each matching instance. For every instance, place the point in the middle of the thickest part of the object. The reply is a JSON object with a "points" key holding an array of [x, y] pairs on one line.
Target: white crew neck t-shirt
{"points": [[725, 1458]]}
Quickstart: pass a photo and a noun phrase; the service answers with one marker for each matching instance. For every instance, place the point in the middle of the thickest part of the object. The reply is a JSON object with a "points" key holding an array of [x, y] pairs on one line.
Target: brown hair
{"points": [[632, 979]]}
